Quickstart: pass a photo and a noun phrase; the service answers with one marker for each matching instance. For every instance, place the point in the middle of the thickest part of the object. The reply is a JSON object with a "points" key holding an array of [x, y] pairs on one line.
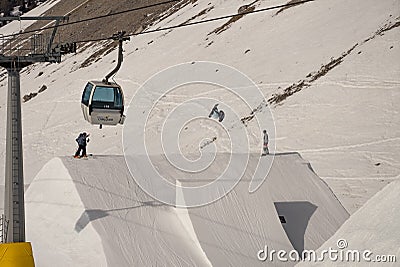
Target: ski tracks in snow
{"points": [[335, 148], [364, 83]]}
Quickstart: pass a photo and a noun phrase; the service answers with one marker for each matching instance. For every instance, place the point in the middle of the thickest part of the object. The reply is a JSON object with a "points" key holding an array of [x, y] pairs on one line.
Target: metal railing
{"points": [[17, 46], [3, 229]]}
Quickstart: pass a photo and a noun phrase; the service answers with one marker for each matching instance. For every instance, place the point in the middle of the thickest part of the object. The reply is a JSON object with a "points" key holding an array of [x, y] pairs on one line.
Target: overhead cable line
{"points": [[203, 21], [163, 28], [94, 18]]}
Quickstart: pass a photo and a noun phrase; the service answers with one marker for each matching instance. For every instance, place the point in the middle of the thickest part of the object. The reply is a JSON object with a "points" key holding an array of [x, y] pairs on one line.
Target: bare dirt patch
{"points": [[242, 11], [278, 98], [200, 14], [28, 97], [290, 4], [76, 10]]}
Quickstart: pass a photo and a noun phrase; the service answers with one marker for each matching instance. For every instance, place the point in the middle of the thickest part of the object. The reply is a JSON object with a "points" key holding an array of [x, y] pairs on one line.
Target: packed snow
{"points": [[371, 229], [52, 216], [343, 58], [94, 207]]}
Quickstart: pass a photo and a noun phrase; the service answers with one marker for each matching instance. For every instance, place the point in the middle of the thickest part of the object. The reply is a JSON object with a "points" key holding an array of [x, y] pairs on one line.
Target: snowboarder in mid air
{"points": [[82, 141], [265, 144], [220, 114]]}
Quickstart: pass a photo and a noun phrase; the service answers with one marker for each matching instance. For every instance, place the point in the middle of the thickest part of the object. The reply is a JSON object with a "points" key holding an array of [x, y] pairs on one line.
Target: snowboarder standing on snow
{"points": [[82, 141], [265, 144]]}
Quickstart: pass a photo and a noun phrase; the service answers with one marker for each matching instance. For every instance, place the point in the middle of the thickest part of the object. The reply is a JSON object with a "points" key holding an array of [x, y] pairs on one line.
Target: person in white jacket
{"points": [[265, 143]]}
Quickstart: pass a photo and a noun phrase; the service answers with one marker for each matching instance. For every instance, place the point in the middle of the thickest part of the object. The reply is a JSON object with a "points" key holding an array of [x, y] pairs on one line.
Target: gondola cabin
{"points": [[103, 103]]}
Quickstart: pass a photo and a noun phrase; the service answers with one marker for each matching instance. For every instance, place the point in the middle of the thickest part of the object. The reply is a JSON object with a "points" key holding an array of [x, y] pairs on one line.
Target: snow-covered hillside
{"points": [[329, 71], [23, 24], [371, 229], [93, 207], [345, 123]]}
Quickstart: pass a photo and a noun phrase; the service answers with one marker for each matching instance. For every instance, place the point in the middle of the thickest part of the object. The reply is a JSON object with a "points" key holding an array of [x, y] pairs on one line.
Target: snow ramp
{"points": [[293, 209], [92, 213], [372, 228]]}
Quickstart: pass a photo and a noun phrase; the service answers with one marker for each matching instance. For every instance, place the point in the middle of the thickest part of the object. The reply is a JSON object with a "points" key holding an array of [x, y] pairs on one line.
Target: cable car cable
{"points": [[94, 18], [164, 28], [201, 21]]}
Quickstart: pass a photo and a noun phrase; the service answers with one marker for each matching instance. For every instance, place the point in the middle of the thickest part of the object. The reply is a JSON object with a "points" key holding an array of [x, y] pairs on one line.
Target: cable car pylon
{"points": [[14, 249]]}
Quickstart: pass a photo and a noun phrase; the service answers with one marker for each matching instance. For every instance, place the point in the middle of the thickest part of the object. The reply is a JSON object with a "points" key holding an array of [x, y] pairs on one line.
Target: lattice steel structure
{"points": [[15, 54]]}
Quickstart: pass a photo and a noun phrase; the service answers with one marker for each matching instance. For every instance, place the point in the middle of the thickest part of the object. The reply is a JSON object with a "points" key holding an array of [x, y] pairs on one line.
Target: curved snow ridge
{"points": [[53, 206], [295, 186], [184, 217], [135, 229], [366, 230], [292, 193], [94, 207]]}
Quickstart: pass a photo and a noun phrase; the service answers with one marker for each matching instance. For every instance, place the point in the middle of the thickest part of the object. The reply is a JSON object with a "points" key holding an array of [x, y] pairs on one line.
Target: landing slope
{"points": [[373, 227], [52, 207], [71, 200], [334, 52]]}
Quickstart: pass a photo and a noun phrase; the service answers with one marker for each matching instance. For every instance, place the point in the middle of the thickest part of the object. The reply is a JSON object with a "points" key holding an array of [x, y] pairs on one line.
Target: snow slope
{"points": [[326, 122], [99, 197], [135, 229], [52, 207], [341, 55], [18, 26], [371, 228], [291, 190]]}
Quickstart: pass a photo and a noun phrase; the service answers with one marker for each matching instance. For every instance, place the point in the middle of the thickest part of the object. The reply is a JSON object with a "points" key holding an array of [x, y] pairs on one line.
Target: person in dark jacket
{"points": [[82, 141], [217, 113]]}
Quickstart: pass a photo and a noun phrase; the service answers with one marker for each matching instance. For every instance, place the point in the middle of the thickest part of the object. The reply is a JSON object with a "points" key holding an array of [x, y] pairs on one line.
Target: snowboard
{"points": [[85, 158], [221, 115]]}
